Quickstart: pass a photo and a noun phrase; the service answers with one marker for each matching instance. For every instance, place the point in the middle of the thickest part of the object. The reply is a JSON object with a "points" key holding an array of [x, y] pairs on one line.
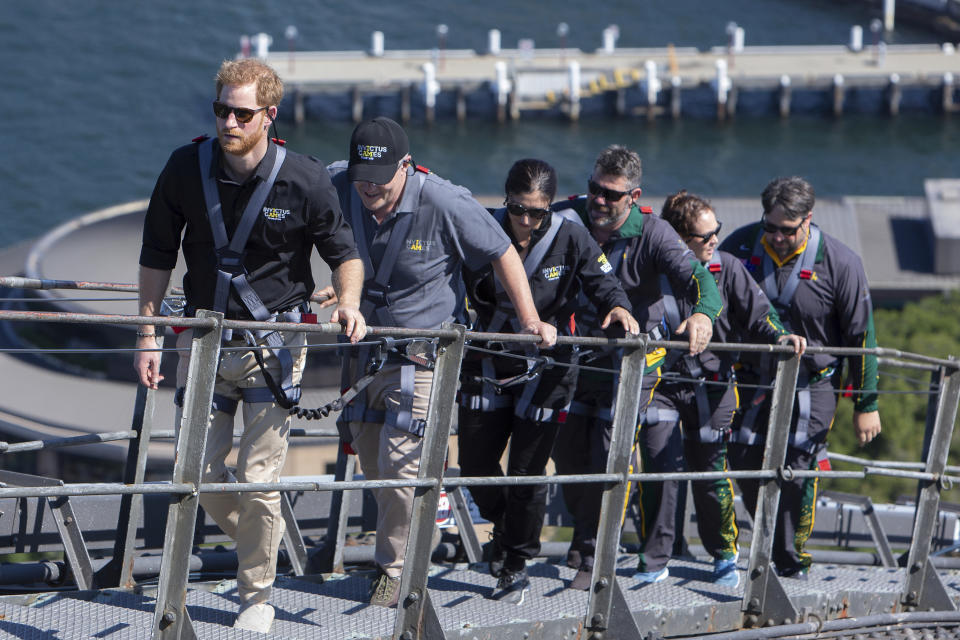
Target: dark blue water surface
{"points": [[96, 94]]}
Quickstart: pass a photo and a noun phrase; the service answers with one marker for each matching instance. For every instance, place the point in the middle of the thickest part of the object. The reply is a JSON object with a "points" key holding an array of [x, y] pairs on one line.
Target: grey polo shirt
{"points": [[447, 230]]}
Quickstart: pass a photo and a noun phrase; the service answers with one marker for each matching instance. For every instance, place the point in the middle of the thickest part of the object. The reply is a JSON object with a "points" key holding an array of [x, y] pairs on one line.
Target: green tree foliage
{"points": [[929, 327]]}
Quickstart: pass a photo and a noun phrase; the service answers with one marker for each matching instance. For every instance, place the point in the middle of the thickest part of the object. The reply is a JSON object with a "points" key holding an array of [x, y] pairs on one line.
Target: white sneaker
{"points": [[256, 617]]}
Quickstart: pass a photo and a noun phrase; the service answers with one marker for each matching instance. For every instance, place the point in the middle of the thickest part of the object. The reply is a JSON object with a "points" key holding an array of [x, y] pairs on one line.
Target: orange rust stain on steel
{"points": [[844, 610]]}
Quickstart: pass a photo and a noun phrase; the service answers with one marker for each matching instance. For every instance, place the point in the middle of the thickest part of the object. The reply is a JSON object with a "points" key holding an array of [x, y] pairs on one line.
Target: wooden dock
{"points": [[653, 82]]}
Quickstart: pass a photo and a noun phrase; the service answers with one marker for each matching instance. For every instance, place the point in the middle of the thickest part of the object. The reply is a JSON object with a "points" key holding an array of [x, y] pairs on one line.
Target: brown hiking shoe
{"points": [[385, 591]]}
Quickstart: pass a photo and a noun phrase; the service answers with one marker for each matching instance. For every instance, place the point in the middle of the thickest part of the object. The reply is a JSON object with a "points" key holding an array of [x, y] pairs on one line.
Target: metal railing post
{"points": [[763, 597], [171, 621], [119, 571], [330, 557], [416, 617], [607, 607], [922, 587]]}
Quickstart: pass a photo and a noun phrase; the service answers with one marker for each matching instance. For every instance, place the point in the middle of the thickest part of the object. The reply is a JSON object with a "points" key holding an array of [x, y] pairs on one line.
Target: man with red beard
{"points": [[249, 213]]}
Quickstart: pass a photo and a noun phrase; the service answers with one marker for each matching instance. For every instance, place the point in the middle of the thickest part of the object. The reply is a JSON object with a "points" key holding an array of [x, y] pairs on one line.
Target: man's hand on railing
{"points": [[352, 321], [545, 330], [799, 343], [621, 315], [699, 330], [866, 425], [147, 363]]}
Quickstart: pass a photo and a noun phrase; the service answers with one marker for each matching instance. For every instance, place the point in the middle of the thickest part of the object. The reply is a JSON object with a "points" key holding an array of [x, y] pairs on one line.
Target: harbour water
{"points": [[95, 95]]}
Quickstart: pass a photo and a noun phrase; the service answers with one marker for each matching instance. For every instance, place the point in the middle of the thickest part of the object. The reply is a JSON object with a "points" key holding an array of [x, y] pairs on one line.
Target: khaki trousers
{"points": [[387, 453], [252, 519]]}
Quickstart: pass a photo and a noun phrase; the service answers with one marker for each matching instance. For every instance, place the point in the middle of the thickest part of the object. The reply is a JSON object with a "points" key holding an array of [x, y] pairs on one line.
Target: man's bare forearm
{"points": [[153, 286], [348, 283]]}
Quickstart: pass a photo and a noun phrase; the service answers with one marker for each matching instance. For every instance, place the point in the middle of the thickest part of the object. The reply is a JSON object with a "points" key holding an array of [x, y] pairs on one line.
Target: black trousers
{"points": [[583, 446], [516, 511], [796, 513]]}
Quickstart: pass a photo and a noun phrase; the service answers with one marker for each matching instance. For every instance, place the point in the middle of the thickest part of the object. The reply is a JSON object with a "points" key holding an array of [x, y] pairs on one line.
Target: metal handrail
{"points": [[758, 602]]}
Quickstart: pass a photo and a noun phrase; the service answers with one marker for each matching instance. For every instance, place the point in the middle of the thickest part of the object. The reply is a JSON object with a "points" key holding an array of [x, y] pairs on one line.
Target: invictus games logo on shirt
{"points": [[605, 265], [419, 245], [554, 272], [276, 215], [370, 151]]}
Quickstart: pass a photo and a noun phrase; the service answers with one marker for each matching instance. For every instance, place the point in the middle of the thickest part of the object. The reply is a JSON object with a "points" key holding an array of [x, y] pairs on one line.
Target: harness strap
{"points": [[402, 417], [353, 402], [671, 314], [476, 402], [488, 394], [804, 265], [705, 429], [376, 288], [230, 251], [800, 437], [538, 251], [591, 411], [231, 272], [656, 415], [220, 403]]}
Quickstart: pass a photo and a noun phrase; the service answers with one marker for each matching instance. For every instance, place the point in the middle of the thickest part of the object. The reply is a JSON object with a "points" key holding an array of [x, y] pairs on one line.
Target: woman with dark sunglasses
{"points": [[700, 391], [524, 399]]}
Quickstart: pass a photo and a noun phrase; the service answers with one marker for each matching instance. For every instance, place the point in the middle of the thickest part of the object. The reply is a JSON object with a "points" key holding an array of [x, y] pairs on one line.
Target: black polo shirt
{"points": [[301, 211]]}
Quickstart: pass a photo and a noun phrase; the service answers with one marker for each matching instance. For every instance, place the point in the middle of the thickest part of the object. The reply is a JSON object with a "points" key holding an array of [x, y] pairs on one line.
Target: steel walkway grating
{"points": [[684, 604]]}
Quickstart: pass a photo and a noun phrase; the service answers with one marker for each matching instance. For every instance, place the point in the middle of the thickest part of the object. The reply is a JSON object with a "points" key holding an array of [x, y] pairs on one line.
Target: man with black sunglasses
{"points": [[819, 288], [641, 249], [249, 213]]}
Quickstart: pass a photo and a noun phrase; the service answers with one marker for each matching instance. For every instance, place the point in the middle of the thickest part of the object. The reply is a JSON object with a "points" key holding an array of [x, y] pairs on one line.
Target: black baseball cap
{"points": [[376, 148]]}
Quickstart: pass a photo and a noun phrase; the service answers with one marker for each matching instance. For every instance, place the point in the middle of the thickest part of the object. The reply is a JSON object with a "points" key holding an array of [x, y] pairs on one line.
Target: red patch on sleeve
{"points": [[755, 260]]}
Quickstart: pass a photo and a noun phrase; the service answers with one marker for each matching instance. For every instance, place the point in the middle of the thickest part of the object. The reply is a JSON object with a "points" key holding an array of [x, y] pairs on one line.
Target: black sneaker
{"points": [[494, 554], [511, 587], [583, 579], [574, 558], [796, 574]]}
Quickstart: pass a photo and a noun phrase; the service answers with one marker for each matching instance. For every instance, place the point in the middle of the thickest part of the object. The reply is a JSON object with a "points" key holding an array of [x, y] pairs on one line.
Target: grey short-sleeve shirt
{"points": [[448, 229]]}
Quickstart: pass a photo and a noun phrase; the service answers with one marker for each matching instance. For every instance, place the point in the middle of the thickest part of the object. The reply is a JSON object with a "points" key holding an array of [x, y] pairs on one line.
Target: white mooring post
{"points": [[502, 89], [493, 42], [376, 44], [856, 38], [723, 88], [573, 78], [430, 89], [261, 43], [889, 9], [653, 87], [610, 36]]}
